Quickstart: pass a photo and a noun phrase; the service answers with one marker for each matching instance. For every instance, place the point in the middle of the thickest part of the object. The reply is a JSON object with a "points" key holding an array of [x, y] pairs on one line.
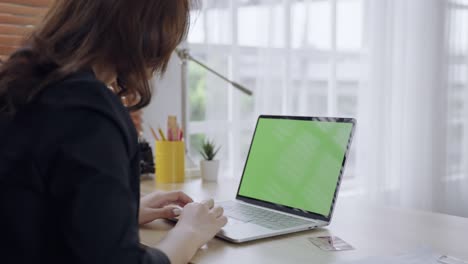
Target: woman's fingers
{"points": [[217, 211], [161, 205], [166, 212], [149, 214], [177, 211], [222, 221], [161, 199], [184, 198], [209, 203], [178, 197]]}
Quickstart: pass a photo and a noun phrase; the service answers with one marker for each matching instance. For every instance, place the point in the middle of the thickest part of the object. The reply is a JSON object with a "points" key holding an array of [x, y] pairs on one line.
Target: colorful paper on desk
{"points": [[330, 243], [420, 256]]}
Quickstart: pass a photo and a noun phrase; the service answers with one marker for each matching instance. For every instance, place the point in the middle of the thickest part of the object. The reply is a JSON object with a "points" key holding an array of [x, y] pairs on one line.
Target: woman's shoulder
{"points": [[81, 94], [78, 89]]}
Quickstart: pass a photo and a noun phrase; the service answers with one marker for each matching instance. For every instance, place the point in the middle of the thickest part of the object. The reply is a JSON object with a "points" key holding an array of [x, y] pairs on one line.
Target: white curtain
{"points": [[402, 72], [403, 119]]}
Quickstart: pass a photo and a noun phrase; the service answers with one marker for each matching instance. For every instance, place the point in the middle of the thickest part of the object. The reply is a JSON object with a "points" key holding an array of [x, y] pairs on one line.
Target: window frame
{"points": [[233, 126]]}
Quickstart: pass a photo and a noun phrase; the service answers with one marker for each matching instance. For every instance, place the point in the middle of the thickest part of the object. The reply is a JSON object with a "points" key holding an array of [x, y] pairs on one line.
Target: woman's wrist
{"points": [[178, 245]]}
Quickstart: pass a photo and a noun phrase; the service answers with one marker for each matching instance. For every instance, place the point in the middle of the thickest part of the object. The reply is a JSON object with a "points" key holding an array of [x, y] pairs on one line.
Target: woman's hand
{"points": [[198, 223], [157, 205], [201, 221]]}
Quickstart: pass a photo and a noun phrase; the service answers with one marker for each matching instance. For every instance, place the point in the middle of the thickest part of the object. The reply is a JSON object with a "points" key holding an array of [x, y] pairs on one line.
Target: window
{"points": [[300, 57], [457, 134]]}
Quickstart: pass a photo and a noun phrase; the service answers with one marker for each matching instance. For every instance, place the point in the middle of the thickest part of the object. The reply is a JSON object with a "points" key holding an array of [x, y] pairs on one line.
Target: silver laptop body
{"points": [[252, 217]]}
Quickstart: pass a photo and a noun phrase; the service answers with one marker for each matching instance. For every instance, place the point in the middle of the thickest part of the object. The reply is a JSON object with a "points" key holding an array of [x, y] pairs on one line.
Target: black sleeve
{"points": [[90, 187]]}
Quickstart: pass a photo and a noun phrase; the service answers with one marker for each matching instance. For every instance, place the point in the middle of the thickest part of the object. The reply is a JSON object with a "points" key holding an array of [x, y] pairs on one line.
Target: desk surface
{"points": [[372, 230]]}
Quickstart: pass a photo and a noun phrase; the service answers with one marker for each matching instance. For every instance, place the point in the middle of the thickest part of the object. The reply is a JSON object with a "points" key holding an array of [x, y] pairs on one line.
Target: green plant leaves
{"points": [[209, 150]]}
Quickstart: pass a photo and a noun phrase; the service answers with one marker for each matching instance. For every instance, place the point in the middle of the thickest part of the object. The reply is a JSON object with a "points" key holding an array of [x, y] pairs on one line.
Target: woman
{"points": [[69, 183]]}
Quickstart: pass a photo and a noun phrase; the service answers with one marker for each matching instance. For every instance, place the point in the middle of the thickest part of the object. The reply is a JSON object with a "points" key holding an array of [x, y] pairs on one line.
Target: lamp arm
{"points": [[184, 55]]}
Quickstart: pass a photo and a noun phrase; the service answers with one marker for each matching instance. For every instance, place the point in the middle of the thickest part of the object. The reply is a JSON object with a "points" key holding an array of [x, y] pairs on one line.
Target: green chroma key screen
{"points": [[296, 163]]}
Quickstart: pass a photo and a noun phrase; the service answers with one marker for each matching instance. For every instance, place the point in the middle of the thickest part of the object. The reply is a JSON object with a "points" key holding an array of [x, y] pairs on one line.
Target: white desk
{"points": [[371, 230]]}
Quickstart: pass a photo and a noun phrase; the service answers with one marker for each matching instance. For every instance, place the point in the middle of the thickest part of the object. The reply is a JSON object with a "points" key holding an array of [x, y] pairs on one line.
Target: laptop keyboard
{"points": [[261, 217]]}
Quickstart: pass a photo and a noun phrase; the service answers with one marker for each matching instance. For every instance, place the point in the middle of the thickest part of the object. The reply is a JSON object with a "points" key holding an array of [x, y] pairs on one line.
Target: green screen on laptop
{"points": [[296, 163]]}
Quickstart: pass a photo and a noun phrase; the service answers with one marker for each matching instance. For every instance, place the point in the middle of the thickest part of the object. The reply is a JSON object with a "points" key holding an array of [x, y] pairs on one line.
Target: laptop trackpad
{"points": [[239, 229]]}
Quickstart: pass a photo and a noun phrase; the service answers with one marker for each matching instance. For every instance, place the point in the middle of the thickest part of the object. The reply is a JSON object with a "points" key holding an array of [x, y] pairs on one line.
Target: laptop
{"points": [[291, 177]]}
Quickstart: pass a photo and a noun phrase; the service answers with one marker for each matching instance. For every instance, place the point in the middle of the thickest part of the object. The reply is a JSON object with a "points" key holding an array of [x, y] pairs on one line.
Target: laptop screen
{"points": [[296, 163]]}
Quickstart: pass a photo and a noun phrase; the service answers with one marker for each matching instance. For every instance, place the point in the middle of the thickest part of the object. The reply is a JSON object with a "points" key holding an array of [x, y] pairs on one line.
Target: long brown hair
{"points": [[131, 36]]}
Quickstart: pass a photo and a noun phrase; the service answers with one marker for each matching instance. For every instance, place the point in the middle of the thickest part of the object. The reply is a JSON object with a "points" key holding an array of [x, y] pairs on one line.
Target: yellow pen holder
{"points": [[170, 161]]}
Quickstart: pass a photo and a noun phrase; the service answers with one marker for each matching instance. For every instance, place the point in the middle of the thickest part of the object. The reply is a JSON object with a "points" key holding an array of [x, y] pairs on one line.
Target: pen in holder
{"points": [[170, 161]]}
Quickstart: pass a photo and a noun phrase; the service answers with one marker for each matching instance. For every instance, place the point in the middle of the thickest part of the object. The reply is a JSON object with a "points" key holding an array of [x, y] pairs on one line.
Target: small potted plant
{"points": [[209, 166]]}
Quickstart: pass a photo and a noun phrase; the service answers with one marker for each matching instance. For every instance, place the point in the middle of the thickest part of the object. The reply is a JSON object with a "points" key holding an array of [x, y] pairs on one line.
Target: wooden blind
{"points": [[18, 18]]}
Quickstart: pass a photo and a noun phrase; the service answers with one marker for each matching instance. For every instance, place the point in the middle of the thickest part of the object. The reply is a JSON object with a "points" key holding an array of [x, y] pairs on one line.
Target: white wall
{"points": [[166, 99]]}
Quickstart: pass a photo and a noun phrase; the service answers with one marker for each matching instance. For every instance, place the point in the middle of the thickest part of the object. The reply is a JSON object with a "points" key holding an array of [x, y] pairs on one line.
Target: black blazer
{"points": [[69, 179]]}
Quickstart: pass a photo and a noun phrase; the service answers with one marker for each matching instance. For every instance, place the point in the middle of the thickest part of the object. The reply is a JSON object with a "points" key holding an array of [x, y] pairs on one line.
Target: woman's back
{"points": [[69, 181], [69, 162]]}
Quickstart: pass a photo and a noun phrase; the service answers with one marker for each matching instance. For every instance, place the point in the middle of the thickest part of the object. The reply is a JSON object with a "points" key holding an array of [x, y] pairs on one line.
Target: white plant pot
{"points": [[209, 170]]}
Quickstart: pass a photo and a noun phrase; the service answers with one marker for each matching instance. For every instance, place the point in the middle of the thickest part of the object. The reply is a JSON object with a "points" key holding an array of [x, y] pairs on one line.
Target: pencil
{"points": [[161, 133], [169, 135], [181, 135], [154, 133]]}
